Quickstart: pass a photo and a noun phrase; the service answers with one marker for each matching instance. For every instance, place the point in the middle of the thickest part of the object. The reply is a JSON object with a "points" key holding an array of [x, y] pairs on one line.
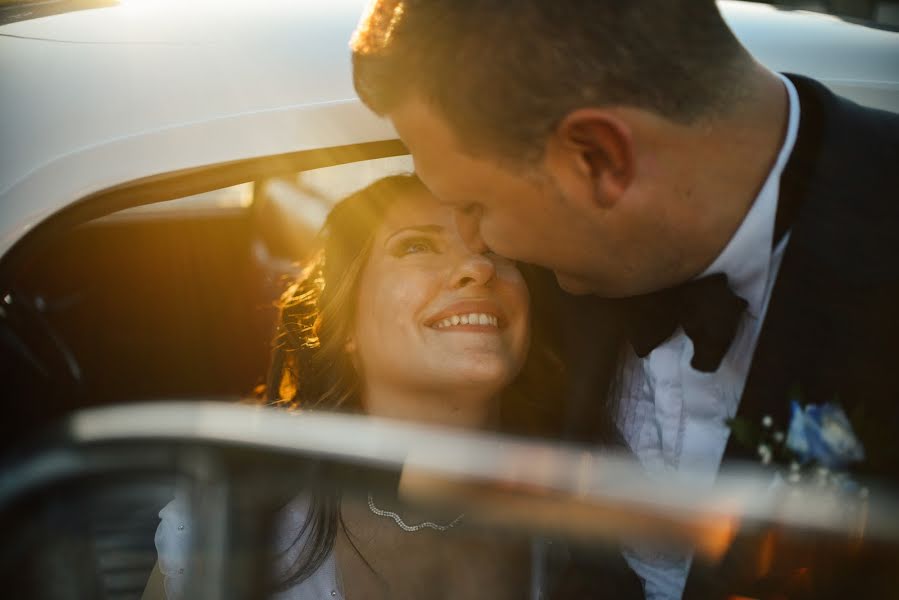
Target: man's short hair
{"points": [[503, 73]]}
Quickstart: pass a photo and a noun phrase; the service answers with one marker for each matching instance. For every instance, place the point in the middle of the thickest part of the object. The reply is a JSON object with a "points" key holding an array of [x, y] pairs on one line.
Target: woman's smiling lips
{"points": [[468, 315]]}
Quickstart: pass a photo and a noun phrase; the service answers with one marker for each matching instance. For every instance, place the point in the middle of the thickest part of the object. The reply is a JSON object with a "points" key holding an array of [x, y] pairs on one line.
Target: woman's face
{"points": [[432, 316]]}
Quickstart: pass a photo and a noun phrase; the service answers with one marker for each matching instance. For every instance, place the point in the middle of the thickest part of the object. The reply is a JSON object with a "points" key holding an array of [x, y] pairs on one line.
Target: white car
{"points": [[239, 109], [105, 98], [164, 163]]}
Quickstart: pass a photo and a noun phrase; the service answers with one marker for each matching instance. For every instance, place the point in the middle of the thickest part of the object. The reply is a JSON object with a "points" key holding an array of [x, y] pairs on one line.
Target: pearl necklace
{"points": [[410, 528]]}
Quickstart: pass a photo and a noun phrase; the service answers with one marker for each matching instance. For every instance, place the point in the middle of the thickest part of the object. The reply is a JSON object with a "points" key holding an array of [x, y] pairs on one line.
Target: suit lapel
{"points": [[795, 322]]}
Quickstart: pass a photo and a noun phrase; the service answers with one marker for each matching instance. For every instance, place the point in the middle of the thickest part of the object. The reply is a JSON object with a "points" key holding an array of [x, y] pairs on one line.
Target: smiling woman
{"points": [[385, 310], [440, 330], [396, 317]]}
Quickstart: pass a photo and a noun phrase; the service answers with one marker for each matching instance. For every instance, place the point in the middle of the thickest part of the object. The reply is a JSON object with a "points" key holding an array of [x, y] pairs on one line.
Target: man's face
{"points": [[533, 214]]}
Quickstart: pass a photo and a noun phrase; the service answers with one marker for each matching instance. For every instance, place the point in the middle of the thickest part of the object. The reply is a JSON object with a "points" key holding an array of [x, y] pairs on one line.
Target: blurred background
{"points": [[885, 12]]}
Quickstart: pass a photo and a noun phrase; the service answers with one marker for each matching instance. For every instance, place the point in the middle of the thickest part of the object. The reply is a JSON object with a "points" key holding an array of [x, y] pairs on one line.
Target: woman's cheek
{"points": [[520, 300], [404, 296], [516, 292]]}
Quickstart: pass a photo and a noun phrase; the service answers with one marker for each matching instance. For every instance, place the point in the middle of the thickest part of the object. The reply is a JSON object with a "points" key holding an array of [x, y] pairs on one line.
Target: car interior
{"points": [[164, 288]]}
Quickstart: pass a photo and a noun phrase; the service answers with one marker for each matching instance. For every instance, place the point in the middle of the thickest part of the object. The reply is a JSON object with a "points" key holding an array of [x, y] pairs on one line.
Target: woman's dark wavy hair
{"points": [[310, 368]]}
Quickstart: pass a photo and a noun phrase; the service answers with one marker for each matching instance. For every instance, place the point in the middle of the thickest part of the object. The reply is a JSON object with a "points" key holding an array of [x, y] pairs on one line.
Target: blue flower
{"points": [[823, 434]]}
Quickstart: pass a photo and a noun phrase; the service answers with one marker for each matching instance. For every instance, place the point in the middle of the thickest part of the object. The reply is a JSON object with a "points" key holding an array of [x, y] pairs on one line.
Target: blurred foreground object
{"points": [[235, 462]]}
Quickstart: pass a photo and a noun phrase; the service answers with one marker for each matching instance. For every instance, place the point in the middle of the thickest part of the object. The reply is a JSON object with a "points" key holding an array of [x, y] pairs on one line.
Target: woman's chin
{"points": [[490, 372]]}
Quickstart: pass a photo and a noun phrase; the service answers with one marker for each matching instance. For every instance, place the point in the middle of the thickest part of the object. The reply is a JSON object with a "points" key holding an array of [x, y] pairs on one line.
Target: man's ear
{"points": [[595, 147]]}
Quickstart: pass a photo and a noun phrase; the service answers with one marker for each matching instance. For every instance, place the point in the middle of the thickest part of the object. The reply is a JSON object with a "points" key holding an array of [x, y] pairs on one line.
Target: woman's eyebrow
{"points": [[418, 228]]}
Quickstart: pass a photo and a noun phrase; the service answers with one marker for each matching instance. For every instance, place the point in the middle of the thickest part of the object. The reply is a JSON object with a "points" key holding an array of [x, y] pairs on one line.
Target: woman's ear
{"points": [[349, 347], [593, 149]]}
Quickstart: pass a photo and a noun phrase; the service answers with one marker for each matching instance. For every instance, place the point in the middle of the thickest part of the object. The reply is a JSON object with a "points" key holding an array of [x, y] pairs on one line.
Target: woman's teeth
{"points": [[469, 319]]}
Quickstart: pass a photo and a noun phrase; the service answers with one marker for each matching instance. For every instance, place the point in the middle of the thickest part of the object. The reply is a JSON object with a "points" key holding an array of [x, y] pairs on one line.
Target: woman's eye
{"points": [[416, 246]]}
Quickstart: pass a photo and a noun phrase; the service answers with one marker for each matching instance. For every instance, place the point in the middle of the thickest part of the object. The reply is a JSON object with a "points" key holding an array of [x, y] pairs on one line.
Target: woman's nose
{"points": [[475, 269]]}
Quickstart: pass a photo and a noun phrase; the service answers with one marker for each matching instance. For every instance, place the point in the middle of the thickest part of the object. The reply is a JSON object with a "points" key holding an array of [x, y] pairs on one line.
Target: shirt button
{"points": [[333, 592]]}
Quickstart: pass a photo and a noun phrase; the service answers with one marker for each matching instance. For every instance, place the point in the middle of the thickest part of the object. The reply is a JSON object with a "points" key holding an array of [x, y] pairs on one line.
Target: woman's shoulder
{"points": [[175, 540], [291, 536]]}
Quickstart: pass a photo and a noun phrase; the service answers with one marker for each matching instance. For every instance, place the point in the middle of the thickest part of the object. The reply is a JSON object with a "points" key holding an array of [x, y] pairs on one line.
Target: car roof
{"points": [[854, 59], [97, 98]]}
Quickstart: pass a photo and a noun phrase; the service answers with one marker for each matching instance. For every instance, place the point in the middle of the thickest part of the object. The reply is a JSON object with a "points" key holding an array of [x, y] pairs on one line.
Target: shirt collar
{"points": [[746, 260]]}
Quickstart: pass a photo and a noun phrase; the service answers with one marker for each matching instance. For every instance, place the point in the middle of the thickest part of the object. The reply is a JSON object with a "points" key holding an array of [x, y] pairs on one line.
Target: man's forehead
{"points": [[422, 127]]}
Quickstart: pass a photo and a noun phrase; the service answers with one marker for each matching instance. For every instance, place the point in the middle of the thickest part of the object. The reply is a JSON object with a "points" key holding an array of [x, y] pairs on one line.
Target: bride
{"points": [[395, 317]]}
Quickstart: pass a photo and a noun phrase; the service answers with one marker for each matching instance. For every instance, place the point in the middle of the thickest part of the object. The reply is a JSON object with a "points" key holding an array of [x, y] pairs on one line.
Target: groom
{"points": [[747, 220]]}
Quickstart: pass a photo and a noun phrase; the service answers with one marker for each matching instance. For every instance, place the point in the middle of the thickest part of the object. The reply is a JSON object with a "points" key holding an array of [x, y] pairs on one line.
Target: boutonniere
{"points": [[822, 434], [810, 461], [818, 443]]}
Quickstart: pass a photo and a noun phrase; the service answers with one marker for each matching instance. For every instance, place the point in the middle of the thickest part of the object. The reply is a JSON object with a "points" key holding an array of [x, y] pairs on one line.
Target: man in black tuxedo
{"points": [[741, 223]]}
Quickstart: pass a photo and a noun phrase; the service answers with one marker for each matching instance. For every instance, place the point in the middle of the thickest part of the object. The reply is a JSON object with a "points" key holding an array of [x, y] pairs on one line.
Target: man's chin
{"points": [[574, 285], [581, 286]]}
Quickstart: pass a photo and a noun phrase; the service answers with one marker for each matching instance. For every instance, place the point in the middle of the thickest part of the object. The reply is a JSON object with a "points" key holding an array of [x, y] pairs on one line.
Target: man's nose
{"points": [[468, 222], [474, 269]]}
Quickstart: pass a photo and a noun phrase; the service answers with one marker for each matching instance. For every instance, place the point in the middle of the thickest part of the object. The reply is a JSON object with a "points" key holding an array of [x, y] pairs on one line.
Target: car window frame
{"points": [[181, 183]]}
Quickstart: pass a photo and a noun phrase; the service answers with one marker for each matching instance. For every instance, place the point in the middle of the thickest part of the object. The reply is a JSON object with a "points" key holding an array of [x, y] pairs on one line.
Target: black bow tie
{"points": [[707, 310]]}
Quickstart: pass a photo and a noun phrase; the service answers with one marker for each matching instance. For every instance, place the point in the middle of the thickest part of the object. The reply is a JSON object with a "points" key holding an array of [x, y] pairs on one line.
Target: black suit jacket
{"points": [[832, 327]]}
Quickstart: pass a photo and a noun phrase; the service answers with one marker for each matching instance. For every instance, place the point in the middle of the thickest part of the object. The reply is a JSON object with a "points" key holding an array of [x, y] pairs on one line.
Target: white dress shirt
{"points": [[673, 416]]}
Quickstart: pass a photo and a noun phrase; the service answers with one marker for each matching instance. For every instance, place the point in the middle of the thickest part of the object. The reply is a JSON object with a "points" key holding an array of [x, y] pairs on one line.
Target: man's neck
{"points": [[722, 166]]}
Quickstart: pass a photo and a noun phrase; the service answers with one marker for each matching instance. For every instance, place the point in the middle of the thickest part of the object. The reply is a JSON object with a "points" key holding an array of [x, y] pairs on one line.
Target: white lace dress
{"points": [[173, 543]]}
